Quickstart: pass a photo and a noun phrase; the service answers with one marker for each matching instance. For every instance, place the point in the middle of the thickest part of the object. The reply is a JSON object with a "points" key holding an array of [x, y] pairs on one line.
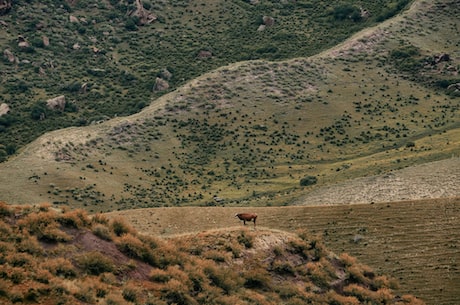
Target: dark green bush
{"points": [[308, 180]]}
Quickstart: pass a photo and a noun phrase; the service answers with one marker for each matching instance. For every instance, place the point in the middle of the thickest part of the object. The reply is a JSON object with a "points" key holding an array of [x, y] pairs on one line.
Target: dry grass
{"points": [[272, 266], [415, 242]]}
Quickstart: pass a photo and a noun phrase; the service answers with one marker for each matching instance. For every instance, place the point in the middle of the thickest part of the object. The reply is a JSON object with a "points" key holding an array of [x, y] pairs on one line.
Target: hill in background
{"points": [[111, 58], [248, 133]]}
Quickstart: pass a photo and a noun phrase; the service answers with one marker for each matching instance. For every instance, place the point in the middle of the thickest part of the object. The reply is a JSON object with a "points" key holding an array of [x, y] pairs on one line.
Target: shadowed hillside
{"points": [[250, 132], [51, 257]]}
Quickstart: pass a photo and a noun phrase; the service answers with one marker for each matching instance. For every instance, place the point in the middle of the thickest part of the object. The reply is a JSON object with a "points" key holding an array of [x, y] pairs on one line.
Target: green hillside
{"points": [[111, 58], [250, 132]]}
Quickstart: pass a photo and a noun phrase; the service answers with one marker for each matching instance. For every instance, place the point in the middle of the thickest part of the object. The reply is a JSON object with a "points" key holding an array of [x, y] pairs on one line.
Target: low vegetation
{"points": [[108, 62], [226, 267], [249, 132]]}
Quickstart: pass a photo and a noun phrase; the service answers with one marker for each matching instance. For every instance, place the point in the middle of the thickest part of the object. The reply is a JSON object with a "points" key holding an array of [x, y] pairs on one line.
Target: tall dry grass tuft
{"points": [[95, 263], [60, 267], [76, 219], [133, 247], [44, 226], [120, 226], [5, 209], [102, 232]]}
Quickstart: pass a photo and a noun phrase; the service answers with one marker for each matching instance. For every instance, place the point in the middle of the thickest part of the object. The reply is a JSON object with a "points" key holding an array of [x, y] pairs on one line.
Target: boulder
{"points": [[46, 41], [22, 42], [160, 84], [268, 21], [73, 19], [454, 88], [204, 54], [9, 55], [4, 109], [442, 57], [5, 6], [56, 103]]}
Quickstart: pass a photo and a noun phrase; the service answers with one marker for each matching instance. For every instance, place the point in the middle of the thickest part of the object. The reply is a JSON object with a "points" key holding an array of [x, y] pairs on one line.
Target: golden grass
{"points": [[415, 242]]}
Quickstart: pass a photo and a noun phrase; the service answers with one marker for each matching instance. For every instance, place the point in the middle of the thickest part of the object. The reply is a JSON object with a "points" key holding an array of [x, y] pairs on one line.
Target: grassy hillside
{"points": [[105, 56], [248, 133], [50, 257], [415, 242]]}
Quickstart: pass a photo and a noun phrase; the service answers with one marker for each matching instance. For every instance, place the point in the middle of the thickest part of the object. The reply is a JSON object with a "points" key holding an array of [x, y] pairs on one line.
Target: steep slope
{"points": [[51, 257], [249, 132]]}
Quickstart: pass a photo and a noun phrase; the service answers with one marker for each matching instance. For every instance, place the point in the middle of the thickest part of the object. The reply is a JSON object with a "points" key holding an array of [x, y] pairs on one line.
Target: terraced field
{"points": [[416, 242]]}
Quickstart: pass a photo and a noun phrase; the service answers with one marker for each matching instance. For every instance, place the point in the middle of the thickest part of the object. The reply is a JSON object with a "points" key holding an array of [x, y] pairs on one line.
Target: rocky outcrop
{"points": [[454, 88], [204, 54], [4, 109], [160, 84], [165, 74], [5, 6], [46, 41], [145, 16], [22, 42], [57, 103], [267, 21], [9, 56]]}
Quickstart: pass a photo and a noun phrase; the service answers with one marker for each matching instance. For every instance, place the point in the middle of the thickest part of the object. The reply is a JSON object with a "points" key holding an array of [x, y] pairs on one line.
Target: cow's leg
{"points": [[255, 223], [244, 221]]}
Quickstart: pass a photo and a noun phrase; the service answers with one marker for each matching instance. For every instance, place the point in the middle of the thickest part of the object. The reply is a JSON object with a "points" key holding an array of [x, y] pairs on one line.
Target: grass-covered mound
{"points": [[67, 257]]}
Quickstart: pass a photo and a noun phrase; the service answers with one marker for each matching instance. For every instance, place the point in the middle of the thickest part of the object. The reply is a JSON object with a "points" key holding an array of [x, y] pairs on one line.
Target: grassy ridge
{"points": [[416, 242], [66, 257]]}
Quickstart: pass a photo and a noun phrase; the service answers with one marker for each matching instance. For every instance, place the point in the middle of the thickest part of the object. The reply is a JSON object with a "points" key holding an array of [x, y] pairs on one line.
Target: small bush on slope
{"points": [[276, 268]]}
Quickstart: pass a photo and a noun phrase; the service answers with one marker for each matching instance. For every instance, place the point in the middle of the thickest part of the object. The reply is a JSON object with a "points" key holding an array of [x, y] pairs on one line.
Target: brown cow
{"points": [[247, 217]]}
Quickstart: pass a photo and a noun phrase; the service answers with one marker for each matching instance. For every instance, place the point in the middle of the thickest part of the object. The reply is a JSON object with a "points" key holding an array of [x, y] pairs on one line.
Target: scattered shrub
{"points": [[95, 263], [102, 232], [133, 247], [120, 226], [308, 180], [246, 239]]}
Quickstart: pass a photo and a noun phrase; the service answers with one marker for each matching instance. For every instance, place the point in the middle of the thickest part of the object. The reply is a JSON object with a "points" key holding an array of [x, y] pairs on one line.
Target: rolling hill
{"points": [[373, 119], [249, 132]]}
